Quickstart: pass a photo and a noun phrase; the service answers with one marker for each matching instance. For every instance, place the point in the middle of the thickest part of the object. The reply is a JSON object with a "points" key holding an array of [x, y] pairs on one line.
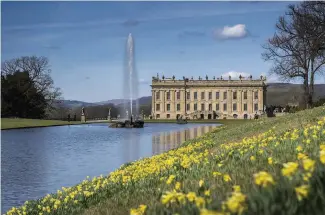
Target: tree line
{"points": [[94, 112], [27, 89]]}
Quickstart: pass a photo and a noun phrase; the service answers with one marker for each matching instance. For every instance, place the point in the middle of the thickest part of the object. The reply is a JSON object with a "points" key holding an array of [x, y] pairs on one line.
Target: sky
{"points": [[85, 41]]}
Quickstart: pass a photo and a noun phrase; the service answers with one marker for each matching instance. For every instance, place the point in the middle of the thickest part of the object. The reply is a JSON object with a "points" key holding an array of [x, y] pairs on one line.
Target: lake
{"points": [[38, 161]]}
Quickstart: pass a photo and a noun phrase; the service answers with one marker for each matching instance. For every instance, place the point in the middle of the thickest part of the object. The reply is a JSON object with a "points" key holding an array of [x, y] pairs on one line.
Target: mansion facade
{"points": [[208, 99]]}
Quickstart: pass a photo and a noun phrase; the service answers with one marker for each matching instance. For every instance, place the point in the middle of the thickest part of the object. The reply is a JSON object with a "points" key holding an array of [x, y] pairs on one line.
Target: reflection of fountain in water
{"points": [[130, 82], [131, 146], [170, 140]]}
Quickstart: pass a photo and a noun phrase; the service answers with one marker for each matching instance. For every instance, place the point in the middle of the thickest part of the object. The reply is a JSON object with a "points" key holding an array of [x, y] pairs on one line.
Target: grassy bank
{"points": [[268, 166], [12, 123]]}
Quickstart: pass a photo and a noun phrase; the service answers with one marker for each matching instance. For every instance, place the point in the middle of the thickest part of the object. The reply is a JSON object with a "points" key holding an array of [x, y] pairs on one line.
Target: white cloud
{"points": [[272, 79], [235, 75], [231, 32], [277, 79], [143, 81]]}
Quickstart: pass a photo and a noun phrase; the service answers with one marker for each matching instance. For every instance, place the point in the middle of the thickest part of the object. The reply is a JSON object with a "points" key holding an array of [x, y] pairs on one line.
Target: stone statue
{"points": [[83, 117], [109, 113]]}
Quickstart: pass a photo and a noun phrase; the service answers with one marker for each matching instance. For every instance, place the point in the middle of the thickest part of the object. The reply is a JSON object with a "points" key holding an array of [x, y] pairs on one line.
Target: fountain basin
{"points": [[181, 121], [127, 124]]}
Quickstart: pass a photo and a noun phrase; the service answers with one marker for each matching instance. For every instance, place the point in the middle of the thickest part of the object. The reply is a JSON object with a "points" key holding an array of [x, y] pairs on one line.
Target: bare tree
{"points": [[297, 47], [39, 72]]}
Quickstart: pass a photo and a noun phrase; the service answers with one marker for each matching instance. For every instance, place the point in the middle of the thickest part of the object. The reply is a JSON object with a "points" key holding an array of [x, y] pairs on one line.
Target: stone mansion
{"points": [[208, 99]]}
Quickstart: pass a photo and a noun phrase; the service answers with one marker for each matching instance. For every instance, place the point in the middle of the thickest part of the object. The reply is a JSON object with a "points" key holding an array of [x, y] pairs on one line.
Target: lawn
{"points": [[267, 166], [10, 123]]}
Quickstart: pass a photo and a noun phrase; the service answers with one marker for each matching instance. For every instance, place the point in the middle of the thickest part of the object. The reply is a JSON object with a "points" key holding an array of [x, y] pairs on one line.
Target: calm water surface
{"points": [[38, 161]]}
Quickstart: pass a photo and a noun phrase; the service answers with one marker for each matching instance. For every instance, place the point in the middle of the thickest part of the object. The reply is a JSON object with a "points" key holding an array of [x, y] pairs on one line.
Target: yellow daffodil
{"points": [[289, 169], [170, 179], [226, 178], [322, 156], [178, 186], [201, 182], [301, 192], [207, 193], [308, 164], [263, 179], [299, 148]]}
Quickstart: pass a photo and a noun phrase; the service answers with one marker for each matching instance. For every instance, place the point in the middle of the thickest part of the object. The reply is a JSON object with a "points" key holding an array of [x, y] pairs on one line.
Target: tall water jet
{"points": [[131, 82], [130, 86]]}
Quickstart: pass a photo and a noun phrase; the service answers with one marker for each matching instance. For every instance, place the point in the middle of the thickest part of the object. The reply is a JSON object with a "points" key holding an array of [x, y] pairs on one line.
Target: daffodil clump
{"points": [[296, 177], [277, 170]]}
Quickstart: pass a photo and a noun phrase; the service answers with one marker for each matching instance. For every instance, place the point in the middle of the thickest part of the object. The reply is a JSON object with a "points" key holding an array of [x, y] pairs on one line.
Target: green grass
{"points": [[12, 123], [223, 151], [150, 190]]}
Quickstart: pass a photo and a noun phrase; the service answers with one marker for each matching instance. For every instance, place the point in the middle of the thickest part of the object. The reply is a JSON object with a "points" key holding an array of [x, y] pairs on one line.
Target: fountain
{"points": [[131, 119]]}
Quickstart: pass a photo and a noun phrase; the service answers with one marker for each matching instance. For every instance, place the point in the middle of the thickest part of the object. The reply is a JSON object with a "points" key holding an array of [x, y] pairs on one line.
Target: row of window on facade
{"points": [[195, 108], [195, 95]]}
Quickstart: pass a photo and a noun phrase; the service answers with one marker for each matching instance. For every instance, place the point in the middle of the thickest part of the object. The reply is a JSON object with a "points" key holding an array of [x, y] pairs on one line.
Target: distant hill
{"points": [[112, 101], [277, 94], [145, 100], [284, 93], [74, 103], [142, 101]]}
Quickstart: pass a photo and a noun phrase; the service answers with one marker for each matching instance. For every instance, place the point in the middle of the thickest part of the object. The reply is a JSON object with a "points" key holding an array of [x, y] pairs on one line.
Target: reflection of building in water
{"points": [[173, 139]]}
